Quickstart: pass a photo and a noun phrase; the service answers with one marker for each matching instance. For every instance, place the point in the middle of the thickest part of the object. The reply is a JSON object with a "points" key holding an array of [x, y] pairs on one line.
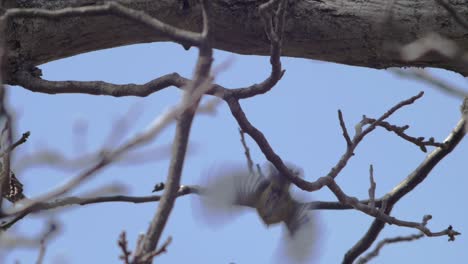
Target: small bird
{"points": [[13, 189], [268, 193]]}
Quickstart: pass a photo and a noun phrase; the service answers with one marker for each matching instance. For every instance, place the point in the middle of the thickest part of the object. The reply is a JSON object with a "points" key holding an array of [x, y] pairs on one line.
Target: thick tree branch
{"points": [[462, 21], [109, 8], [346, 31], [6, 136]]}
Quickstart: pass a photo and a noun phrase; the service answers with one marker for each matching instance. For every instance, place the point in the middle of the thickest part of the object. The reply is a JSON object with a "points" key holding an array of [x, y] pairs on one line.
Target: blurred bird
{"points": [[267, 193]]}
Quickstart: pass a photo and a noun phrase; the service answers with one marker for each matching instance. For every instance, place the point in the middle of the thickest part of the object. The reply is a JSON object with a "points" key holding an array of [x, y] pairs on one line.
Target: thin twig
{"points": [[344, 129], [42, 243], [360, 134], [372, 187], [400, 131], [20, 141], [345, 199], [158, 125], [246, 152], [75, 200], [162, 249], [123, 245], [375, 252], [405, 187], [56, 159], [275, 35]]}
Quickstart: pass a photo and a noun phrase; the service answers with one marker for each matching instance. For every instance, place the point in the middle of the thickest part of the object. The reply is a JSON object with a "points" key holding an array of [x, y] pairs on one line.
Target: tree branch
{"points": [[75, 200], [321, 30], [456, 16], [379, 214], [406, 186], [20, 141], [250, 162], [202, 82], [374, 253], [400, 131], [175, 34]]}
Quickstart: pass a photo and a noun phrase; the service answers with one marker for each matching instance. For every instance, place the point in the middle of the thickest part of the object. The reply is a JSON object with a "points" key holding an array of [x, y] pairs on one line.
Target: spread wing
{"points": [[227, 188], [298, 219], [302, 234]]}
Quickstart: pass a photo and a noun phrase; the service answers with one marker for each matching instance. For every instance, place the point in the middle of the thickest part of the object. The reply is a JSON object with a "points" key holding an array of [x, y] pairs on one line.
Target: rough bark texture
{"points": [[355, 32]]}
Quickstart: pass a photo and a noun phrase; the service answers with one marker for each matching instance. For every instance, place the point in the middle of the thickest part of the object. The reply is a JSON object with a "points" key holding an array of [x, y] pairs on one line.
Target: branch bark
{"points": [[359, 33], [406, 186]]}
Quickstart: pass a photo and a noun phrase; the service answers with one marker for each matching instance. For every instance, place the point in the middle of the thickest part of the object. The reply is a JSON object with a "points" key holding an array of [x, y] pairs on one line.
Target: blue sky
{"points": [[298, 117]]}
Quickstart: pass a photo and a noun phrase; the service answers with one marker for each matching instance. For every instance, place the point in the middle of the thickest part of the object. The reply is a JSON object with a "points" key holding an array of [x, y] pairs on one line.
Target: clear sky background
{"points": [[298, 117]]}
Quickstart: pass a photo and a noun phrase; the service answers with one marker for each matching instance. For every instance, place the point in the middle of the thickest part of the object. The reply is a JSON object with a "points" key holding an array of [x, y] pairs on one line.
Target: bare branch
{"points": [[42, 247], [163, 249], [372, 187], [344, 129], [20, 141], [7, 140], [360, 134], [158, 125], [323, 205], [345, 199], [75, 200], [406, 186], [36, 84], [275, 34], [269, 153], [56, 159], [9, 240], [375, 252], [419, 141], [123, 245], [246, 152], [202, 83]]}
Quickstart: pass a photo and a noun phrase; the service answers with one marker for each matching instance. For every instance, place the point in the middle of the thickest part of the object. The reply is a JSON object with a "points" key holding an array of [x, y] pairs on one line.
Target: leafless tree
{"points": [[377, 34]]}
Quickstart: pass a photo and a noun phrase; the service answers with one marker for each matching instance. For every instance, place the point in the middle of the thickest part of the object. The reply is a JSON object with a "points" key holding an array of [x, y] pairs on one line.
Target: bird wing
{"points": [[302, 235], [299, 218], [225, 190], [235, 185], [248, 189]]}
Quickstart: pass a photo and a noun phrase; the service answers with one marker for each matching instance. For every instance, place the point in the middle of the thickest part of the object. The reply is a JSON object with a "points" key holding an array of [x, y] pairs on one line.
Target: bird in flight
{"points": [[268, 192]]}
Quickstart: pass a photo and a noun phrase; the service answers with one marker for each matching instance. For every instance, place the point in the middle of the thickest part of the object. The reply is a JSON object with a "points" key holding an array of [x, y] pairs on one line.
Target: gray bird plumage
{"points": [[234, 187]]}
